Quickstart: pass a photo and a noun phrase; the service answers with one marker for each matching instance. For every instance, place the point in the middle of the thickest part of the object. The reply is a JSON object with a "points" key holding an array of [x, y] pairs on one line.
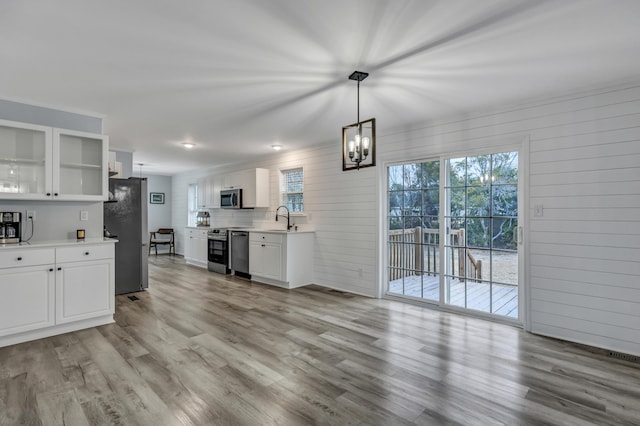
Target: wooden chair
{"points": [[159, 238]]}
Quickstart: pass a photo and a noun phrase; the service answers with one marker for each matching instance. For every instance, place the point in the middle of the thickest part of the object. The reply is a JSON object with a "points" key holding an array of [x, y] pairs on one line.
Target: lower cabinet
{"points": [[84, 290], [195, 246], [44, 292], [27, 301], [282, 259], [266, 260]]}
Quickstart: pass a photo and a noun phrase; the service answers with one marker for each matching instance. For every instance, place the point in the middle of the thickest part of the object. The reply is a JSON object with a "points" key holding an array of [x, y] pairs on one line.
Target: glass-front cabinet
{"points": [[44, 163], [80, 165], [25, 160]]}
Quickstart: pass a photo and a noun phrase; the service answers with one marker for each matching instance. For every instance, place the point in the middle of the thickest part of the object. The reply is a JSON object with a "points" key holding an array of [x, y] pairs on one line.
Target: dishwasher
{"points": [[240, 253]]}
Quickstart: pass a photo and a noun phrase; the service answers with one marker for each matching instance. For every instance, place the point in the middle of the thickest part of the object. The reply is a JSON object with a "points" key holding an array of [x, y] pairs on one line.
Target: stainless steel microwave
{"points": [[231, 198]]}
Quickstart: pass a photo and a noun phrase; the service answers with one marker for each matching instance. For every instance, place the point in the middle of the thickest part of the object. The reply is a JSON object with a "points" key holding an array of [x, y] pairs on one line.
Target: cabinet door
{"points": [[215, 186], [80, 165], [210, 195], [255, 259], [272, 258], [26, 299], [84, 290], [202, 192], [25, 161], [234, 180], [265, 260], [200, 249], [188, 244]]}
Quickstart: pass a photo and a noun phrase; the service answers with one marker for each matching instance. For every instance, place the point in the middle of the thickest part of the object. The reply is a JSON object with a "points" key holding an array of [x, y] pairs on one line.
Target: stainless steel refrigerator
{"points": [[125, 218]]}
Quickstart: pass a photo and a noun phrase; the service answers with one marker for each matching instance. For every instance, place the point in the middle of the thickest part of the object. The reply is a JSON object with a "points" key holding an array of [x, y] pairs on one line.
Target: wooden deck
{"points": [[505, 297]]}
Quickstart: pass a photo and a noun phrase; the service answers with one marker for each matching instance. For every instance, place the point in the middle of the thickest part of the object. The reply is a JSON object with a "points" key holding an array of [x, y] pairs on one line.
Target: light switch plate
{"points": [[84, 215], [538, 210]]}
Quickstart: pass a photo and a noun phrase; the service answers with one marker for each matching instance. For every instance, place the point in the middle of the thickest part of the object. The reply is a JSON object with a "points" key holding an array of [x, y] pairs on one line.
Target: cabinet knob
{"points": [[59, 269], [50, 269], [86, 253], [20, 258], [48, 194], [262, 245], [55, 194]]}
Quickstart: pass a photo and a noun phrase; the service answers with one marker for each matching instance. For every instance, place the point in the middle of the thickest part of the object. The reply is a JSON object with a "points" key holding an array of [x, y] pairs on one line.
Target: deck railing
{"points": [[415, 251]]}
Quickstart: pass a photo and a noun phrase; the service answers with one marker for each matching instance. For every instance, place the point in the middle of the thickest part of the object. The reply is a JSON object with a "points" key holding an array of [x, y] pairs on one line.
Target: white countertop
{"points": [[58, 243], [249, 229], [274, 231]]}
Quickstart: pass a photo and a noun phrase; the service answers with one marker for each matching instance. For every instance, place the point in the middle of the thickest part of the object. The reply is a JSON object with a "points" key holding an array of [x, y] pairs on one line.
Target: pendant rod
{"points": [[358, 121]]}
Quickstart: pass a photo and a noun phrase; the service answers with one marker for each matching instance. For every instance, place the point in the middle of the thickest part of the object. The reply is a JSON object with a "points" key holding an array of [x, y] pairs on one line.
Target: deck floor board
{"points": [[504, 298]]}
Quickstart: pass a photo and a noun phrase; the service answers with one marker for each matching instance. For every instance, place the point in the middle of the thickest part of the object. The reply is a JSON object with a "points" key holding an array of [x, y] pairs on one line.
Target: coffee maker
{"points": [[10, 227]]}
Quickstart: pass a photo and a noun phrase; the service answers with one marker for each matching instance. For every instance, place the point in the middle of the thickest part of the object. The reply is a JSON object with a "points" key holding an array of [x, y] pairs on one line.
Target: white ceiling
{"points": [[236, 76]]}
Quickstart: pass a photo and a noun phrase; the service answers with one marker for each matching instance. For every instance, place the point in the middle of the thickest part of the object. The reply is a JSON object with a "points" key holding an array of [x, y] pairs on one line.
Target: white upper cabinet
{"points": [[207, 197], [25, 161], [41, 163], [255, 189], [80, 170], [254, 184]]}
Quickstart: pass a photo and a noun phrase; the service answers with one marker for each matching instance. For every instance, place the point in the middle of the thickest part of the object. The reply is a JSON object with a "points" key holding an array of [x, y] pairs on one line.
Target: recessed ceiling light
{"points": [[276, 147], [188, 145]]}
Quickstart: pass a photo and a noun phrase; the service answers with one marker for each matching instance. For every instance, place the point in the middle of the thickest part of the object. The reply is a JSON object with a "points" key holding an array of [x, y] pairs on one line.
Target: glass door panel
{"points": [[413, 233], [23, 161], [81, 165], [481, 247]]}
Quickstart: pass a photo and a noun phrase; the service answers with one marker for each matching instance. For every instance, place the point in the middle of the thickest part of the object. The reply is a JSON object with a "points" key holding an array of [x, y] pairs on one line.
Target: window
{"points": [[292, 189], [192, 203]]}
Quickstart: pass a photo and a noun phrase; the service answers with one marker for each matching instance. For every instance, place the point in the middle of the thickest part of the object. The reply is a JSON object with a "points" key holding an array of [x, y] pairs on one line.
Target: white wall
{"points": [[342, 207], [159, 215], [58, 220], [584, 169], [583, 267]]}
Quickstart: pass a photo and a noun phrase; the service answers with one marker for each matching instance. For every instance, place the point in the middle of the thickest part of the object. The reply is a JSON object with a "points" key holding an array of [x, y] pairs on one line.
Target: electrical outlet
{"points": [[31, 214], [84, 215]]}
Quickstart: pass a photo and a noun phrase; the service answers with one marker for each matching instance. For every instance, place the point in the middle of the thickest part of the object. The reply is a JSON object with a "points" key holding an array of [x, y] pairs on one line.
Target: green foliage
{"points": [[483, 196], [414, 198]]}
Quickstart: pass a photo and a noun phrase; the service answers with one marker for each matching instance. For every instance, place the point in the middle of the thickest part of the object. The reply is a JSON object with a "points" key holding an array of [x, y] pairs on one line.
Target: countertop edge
{"points": [[58, 243]]}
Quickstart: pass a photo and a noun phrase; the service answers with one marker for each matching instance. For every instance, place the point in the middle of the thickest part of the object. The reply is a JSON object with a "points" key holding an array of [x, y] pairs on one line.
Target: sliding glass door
{"points": [[481, 248], [413, 231], [462, 244]]}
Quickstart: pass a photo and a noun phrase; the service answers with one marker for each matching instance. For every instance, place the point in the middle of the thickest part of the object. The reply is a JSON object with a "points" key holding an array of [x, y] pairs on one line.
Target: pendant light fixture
{"points": [[359, 139]]}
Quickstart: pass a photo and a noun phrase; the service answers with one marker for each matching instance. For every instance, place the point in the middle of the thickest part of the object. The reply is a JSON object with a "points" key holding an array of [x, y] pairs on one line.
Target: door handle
{"points": [[520, 235]]}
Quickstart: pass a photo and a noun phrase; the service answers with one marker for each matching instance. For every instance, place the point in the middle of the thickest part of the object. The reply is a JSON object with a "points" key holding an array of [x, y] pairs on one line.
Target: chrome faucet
{"points": [[288, 216]]}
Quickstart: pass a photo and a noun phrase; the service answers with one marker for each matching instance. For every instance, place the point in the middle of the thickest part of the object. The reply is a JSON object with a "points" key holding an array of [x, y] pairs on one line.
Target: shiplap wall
{"points": [[582, 263], [583, 253], [341, 207]]}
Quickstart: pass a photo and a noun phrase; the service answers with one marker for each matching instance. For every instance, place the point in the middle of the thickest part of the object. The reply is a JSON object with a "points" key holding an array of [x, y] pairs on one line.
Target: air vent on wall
{"points": [[624, 357]]}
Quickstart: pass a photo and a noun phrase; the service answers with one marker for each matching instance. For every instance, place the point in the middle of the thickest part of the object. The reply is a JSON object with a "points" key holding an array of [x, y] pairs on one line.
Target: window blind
{"points": [[293, 189]]}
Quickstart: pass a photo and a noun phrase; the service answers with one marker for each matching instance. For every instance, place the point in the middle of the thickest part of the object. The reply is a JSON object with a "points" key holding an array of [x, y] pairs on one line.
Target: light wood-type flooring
{"points": [[199, 348]]}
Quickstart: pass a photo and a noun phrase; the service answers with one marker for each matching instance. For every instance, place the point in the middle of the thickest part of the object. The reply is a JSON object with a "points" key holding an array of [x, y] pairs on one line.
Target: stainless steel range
{"points": [[218, 251]]}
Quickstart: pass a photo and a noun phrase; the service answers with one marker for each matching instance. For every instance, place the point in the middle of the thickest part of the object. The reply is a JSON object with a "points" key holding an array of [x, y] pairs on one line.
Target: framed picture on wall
{"points": [[156, 197]]}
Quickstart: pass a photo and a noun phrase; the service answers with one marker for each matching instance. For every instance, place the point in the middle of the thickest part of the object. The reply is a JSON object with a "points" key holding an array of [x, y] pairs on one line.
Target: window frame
{"points": [[283, 193]]}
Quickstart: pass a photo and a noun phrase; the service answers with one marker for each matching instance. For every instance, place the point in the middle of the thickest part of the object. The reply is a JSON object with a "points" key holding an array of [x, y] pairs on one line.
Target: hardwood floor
{"points": [[203, 349]]}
